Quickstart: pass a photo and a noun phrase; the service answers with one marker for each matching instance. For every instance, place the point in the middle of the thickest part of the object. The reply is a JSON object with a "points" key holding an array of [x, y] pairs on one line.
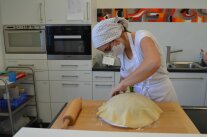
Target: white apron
{"points": [[157, 87]]}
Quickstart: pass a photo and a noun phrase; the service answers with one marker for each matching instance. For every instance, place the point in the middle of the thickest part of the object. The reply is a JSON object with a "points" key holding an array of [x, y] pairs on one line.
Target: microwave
{"points": [[68, 42], [24, 38]]}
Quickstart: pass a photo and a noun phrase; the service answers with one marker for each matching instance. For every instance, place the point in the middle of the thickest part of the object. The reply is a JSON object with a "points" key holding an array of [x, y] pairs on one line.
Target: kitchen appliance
{"points": [[24, 38], [68, 42], [198, 116]]}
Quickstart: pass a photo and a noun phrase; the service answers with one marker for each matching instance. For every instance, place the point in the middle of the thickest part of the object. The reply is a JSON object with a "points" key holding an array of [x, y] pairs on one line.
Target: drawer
{"points": [[41, 75], [71, 75], [101, 90], [70, 64], [64, 91], [103, 76], [35, 64]]}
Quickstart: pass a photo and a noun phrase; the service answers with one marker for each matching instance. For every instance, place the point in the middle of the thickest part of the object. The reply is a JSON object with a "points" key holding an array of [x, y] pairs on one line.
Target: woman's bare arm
{"points": [[151, 62]]}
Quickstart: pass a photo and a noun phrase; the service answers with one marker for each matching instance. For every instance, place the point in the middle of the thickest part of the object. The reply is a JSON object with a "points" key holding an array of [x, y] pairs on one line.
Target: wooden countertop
{"points": [[172, 120]]}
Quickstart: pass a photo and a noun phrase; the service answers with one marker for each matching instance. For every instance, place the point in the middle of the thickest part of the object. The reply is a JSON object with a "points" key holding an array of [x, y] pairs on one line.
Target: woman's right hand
{"points": [[117, 93], [120, 88]]}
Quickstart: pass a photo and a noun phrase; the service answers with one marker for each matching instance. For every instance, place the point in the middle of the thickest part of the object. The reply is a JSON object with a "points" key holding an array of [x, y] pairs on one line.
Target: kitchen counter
{"points": [[105, 68], [40, 132], [117, 69], [172, 120]]}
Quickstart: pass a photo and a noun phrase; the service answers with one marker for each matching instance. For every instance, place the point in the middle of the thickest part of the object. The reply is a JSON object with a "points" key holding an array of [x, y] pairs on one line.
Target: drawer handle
{"points": [[32, 65], [102, 77], [69, 65], [70, 76], [103, 85], [65, 84], [186, 78]]}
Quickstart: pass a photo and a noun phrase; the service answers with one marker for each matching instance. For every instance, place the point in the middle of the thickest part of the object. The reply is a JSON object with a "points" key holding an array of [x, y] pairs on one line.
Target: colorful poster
{"points": [[155, 14]]}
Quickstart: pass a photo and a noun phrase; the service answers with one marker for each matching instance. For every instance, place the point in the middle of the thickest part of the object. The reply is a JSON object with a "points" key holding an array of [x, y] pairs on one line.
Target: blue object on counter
{"points": [[12, 76], [14, 102]]}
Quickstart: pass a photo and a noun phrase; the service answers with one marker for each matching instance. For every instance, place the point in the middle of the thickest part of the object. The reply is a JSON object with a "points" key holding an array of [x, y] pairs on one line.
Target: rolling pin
{"points": [[72, 112]]}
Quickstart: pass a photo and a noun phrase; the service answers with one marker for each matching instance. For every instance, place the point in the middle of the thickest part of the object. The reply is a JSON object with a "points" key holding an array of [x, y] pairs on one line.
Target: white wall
{"points": [[190, 37], [1, 44]]}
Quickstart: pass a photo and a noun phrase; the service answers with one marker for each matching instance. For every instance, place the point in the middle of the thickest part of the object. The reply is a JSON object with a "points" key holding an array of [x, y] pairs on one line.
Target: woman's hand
{"points": [[118, 89]]}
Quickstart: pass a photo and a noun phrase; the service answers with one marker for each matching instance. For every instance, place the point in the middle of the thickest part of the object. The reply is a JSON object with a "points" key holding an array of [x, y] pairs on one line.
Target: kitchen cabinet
{"points": [[56, 107], [41, 83], [117, 78], [23, 12], [69, 79], [190, 88], [66, 91], [35, 64], [103, 82], [58, 12]]}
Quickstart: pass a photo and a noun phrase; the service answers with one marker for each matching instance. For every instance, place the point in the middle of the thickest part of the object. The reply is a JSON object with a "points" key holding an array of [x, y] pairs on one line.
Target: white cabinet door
{"points": [[101, 90], [71, 75], [103, 76], [57, 12], [56, 108], [23, 11], [103, 82], [35, 64], [69, 64], [190, 88], [41, 75], [42, 91], [44, 110], [64, 91], [117, 78]]}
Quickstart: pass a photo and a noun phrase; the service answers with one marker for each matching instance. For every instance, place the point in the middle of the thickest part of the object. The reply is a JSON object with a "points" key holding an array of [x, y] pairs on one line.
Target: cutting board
{"points": [[172, 120]]}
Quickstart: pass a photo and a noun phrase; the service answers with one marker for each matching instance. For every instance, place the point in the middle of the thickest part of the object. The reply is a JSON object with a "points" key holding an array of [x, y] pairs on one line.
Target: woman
{"points": [[142, 61]]}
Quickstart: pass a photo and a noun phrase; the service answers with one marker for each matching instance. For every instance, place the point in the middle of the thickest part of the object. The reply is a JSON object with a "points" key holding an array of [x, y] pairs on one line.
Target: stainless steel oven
{"points": [[24, 38], [68, 42]]}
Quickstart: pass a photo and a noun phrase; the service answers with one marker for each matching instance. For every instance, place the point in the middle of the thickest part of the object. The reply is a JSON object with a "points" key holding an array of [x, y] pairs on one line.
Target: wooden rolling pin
{"points": [[72, 112]]}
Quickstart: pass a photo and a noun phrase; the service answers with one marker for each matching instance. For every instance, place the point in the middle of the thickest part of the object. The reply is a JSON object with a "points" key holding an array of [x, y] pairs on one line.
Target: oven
{"points": [[24, 39], [68, 42]]}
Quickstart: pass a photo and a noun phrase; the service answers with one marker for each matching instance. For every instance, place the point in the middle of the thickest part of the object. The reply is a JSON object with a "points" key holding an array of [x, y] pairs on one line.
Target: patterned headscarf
{"points": [[108, 30]]}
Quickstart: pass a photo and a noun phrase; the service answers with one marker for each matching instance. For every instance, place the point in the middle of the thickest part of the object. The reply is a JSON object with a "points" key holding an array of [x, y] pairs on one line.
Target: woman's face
{"points": [[105, 48], [108, 47]]}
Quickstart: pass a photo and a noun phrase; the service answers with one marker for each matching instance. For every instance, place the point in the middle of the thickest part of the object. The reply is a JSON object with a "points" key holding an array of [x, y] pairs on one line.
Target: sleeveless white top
{"points": [[158, 87]]}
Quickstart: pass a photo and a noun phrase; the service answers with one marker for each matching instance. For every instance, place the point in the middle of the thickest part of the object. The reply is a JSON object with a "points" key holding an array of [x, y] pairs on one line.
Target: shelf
{"points": [[10, 84], [17, 109], [20, 103]]}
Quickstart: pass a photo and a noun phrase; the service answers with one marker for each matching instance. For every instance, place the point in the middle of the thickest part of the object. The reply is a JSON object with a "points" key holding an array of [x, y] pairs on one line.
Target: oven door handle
{"points": [[67, 36]]}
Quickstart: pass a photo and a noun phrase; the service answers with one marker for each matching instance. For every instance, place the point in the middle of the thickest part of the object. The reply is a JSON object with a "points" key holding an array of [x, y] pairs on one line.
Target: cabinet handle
{"points": [[66, 84], [31, 65], [87, 8], [186, 78], [70, 76], [69, 65], [41, 19], [103, 85], [12, 61], [102, 77]]}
